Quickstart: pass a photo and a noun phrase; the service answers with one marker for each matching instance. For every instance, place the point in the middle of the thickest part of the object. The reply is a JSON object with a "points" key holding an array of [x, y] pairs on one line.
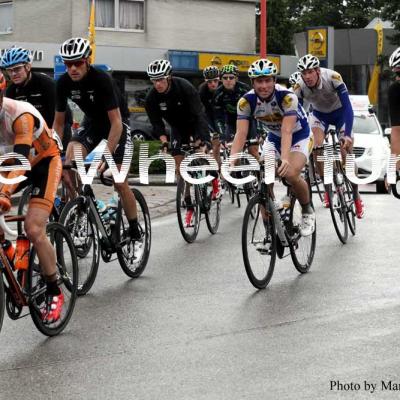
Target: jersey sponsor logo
{"points": [[273, 104], [287, 100], [275, 117], [242, 104], [163, 106], [337, 77], [35, 191], [91, 95], [75, 94], [36, 94]]}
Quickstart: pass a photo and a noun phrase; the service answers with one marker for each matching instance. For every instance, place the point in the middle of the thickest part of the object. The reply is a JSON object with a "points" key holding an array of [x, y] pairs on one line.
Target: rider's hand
{"points": [[102, 167], [346, 142], [5, 203], [284, 168]]}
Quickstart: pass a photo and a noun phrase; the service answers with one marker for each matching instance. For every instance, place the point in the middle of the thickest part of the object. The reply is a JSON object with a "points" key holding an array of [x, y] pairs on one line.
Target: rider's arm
{"points": [[115, 130], [155, 117], [394, 113], [219, 114], [23, 129], [59, 122], [347, 109], [242, 128], [61, 106]]}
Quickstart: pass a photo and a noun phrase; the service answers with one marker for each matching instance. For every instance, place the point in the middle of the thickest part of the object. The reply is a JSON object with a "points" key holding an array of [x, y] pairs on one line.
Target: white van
{"points": [[369, 140]]}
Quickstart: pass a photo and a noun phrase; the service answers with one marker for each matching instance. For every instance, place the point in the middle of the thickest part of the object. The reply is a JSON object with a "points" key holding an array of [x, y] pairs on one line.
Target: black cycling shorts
{"points": [[90, 136]]}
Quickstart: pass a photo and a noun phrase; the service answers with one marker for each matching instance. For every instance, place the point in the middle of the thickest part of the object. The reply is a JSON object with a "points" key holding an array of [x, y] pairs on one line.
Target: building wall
{"points": [[172, 24]]}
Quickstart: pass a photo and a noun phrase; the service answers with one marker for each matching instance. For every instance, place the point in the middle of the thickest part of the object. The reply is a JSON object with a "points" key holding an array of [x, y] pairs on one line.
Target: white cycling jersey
{"points": [[323, 98]]}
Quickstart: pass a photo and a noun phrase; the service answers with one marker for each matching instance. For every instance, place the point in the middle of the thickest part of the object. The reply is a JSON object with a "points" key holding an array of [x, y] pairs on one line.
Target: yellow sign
{"points": [[373, 88], [242, 61], [317, 42]]}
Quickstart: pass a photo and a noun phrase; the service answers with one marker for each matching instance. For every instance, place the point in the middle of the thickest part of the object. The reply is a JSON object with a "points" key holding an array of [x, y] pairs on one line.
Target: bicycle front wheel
{"points": [[188, 210], [302, 248], [133, 254], [67, 279], [213, 214], [259, 242], [350, 206], [337, 208], [81, 225]]}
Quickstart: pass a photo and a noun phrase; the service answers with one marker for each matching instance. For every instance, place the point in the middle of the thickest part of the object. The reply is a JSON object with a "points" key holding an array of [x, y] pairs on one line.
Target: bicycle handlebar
{"points": [[6, 228]]}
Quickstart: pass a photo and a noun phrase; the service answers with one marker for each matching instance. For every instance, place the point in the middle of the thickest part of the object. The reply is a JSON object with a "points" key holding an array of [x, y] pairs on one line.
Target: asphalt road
{"points": [[192, 327]]}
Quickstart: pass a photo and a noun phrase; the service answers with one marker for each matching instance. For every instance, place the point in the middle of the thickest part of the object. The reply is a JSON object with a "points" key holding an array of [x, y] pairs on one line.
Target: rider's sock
{"points": [[307, 209], [52, 286], [134, 229]]}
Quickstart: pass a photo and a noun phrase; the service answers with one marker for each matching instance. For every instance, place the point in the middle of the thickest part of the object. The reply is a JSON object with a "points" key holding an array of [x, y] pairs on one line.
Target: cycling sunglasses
{"points": [[76, 63], [228, 77]]}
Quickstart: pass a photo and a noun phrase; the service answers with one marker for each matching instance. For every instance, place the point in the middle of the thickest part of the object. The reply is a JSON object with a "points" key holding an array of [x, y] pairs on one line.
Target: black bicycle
{"points": [[93, 235], [194, 200], [268, 230]]}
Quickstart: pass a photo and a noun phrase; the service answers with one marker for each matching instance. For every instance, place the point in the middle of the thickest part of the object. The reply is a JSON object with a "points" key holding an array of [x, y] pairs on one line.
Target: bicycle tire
{"points": [[188, 233], [337, 207], [132, 265], [213, 214], [351, 208], [81, 224], [2, 300], [259, 264], [302, 248], [67, 269]]}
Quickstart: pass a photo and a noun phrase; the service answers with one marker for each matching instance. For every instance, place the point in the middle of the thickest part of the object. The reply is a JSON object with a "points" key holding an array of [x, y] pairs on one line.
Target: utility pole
{"points": [[263, 29]]}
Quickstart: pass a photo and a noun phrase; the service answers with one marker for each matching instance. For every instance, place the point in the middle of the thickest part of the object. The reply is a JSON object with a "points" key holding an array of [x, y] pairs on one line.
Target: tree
{"points": [[391, 12]]}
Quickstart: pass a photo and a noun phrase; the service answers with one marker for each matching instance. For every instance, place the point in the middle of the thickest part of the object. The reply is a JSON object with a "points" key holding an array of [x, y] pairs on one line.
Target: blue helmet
{"points": [[15, 55]]}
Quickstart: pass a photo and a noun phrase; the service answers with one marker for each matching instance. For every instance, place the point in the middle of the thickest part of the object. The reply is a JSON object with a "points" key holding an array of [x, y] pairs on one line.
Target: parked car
{"points": [[369, 140], [141, 127]]}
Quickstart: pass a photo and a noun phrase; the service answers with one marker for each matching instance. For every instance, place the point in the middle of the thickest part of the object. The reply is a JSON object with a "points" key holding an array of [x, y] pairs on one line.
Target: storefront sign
{"points": [[37, 55], [317, 42]]}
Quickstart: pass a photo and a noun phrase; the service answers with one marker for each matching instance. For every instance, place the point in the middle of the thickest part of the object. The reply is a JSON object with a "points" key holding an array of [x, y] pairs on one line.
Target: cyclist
{"points": [[225, 105], [394, 102], [36, 88], [106, 116], [325, 90], [288, 130], [207, 90], [176, 101], [23, 127]]}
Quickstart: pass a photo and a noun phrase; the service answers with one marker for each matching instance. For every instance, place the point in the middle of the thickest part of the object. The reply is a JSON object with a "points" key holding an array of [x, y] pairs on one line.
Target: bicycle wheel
{"points": [[81, 225], [188, 230], [2, 300], [337, 207], [133, 255], [67, 278], [302, 248], [259, 242], [351, 208], [213, 214]]}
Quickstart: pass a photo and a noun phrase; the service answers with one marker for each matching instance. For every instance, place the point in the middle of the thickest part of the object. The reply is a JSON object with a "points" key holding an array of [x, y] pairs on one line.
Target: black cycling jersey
{"points": [[207, 98], [394, 103], [95, 94], [225, 105], [181, 107], [40, 91]]}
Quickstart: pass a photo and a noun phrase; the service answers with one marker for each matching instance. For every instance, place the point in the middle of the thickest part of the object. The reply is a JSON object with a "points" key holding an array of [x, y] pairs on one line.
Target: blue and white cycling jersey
{"points": [[270, 113], [329, 100]]}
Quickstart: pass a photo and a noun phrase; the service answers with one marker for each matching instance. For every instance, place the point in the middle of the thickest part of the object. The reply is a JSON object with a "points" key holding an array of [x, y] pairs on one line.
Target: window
{"points": [[6, 17], [120, 14]]}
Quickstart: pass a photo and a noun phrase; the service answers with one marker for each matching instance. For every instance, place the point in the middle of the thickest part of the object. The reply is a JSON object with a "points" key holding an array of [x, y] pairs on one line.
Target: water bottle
{"points": [[102, 207], [22, 253], [112, 207]]}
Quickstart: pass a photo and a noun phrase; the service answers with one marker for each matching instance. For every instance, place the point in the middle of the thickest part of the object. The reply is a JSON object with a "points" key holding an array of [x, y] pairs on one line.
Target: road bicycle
{"points": [[197, 199], [93, 235], [27, 288], [268, 230], [340, 191]]}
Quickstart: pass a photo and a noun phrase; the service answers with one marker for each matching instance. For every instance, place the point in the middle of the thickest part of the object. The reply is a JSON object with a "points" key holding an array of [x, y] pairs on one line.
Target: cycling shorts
{"points": [[323, 121], [300, 143]]}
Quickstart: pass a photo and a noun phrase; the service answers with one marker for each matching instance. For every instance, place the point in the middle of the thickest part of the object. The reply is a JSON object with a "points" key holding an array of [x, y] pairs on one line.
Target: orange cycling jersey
{"points": [[22, 125]]}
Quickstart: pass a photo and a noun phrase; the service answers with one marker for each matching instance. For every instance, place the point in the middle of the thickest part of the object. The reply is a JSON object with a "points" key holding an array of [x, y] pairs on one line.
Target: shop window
{"points": [[120, 14], [6, 17]]}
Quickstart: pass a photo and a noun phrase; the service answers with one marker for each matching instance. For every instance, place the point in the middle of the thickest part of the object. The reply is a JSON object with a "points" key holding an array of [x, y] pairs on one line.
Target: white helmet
{"points": [[307, 62], [294, 78], [75, 49], [262, 67], [159, 69], [394, 60]]}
